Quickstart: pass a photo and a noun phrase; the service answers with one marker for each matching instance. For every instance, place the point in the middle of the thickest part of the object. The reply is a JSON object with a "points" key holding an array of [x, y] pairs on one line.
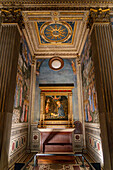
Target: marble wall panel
{"points": [[93, 142], [18, 142], [34, 139]]}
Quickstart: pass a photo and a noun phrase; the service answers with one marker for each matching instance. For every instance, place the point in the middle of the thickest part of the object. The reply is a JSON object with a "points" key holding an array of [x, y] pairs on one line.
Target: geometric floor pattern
{"points": [[57, 167], [54, 166]]}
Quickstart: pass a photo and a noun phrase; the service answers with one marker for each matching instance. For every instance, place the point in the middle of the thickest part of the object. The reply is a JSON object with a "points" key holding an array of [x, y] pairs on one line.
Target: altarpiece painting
{"points": [[56, 107]]}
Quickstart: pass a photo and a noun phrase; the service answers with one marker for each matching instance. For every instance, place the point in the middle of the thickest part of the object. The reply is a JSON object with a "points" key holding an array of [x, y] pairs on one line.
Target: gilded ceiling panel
{"points": [[55, 33]]}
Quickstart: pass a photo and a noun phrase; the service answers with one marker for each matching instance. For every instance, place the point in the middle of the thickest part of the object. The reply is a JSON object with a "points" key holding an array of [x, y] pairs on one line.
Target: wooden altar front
{"points": [[56, 140], [55, 130]]}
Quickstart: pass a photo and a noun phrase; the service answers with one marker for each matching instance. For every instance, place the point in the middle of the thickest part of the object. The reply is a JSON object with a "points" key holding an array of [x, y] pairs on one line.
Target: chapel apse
{"points": [[64, 76]]}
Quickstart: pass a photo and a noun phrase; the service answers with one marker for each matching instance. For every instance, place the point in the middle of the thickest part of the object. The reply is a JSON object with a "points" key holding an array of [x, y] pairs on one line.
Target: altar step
{"points": [[56, 124]]}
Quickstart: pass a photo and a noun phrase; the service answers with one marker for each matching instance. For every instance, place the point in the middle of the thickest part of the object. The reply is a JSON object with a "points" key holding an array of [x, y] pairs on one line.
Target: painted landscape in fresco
{"points": [[56, 107], [88, 82]]}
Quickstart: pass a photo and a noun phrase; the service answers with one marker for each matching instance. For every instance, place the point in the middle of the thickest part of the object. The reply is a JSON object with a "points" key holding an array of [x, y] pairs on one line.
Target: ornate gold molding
{"points": [[38, 64], [12, 15], [54, 2]]}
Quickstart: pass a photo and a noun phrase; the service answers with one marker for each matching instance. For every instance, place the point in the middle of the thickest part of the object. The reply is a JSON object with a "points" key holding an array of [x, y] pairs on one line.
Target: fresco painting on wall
{"points": [[88, 82], [56, 107], [21, 100]]}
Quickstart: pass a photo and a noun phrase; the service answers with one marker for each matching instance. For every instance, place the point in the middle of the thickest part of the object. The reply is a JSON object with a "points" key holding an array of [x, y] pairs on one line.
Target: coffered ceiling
{"points": [[55, 32], [55, 27]]}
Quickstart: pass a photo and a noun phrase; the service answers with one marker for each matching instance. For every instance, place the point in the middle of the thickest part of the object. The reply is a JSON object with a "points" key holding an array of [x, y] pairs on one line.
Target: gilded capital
{"points": [[12, 15], [98, 16]]}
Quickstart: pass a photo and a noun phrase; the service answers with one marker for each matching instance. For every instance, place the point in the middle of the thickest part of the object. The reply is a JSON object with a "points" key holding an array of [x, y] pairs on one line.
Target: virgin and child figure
{"points": [[55, 109], [60, 109]]}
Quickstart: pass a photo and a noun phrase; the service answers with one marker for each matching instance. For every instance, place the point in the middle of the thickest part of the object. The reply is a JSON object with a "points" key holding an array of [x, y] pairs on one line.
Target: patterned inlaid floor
{"points": [[59, 166]]}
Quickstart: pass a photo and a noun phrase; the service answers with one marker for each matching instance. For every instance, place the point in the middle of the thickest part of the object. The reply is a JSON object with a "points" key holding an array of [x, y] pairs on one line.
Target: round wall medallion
{"points": [[56, 63]]}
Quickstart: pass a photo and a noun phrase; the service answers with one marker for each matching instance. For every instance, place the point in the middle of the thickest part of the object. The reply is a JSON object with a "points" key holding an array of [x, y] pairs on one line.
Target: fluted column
{"points": [[31, 101], [33, 84], [102, 52], [10, 35]]}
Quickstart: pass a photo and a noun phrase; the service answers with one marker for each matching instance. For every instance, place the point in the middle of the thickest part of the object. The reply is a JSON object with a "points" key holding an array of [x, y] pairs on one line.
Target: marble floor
{"points": [[58, 167], [73, 163]]}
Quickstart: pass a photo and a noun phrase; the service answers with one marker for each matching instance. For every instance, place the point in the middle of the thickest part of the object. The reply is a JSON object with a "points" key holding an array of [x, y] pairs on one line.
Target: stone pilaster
{"points": [[79, 88], [33, 84], [10, 35], [42, 108], [80, 98], [31, 100], [9, 47], [70, 109], [102, 52]]}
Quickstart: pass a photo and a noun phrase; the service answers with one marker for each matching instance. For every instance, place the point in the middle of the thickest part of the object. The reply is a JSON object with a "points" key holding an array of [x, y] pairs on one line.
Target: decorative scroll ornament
{"points": [[38, 64], [98, 15], [12, 15]]}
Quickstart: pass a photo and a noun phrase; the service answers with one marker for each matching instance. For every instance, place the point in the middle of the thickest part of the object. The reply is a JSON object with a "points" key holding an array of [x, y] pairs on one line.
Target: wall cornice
{"points": [[55, 1], [29, 5]]}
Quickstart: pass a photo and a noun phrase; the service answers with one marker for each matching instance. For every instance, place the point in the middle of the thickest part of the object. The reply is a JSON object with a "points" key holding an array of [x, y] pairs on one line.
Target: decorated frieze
{"points": [[54, 1]]}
